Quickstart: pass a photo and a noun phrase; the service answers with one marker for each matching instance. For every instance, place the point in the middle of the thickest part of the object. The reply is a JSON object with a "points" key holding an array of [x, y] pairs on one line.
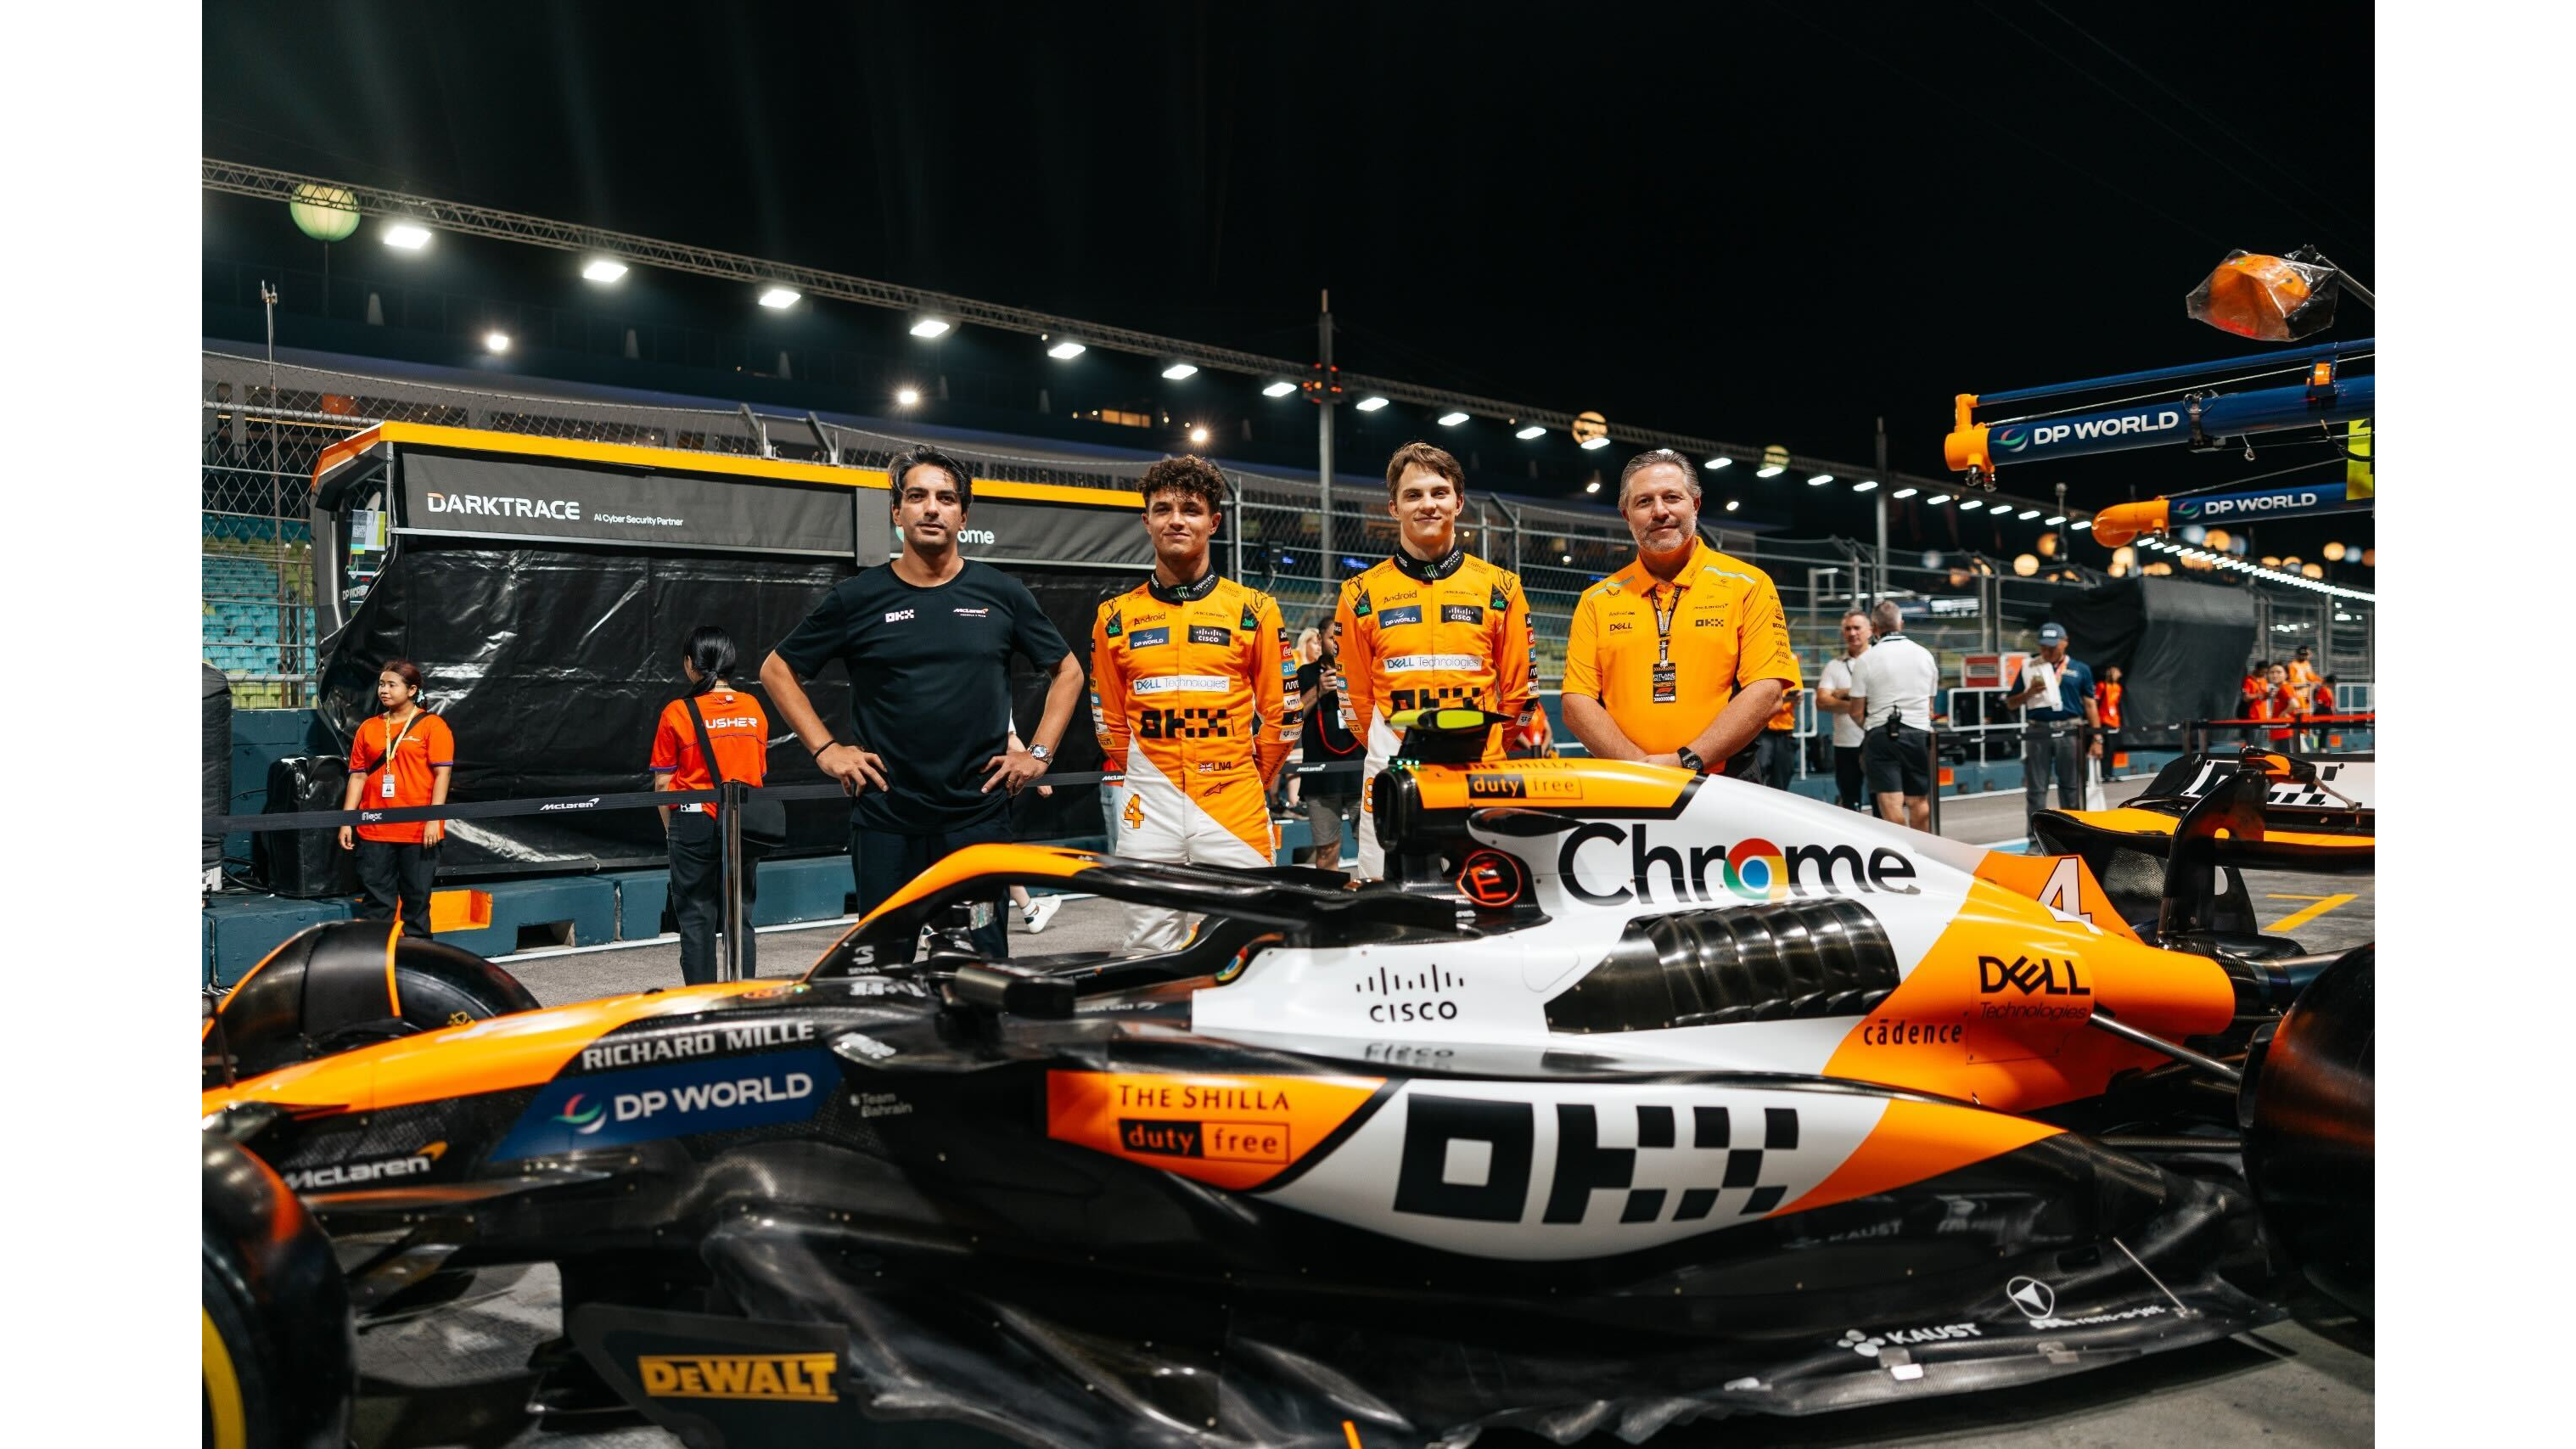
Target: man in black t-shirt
{"points": [[1328, 740], [927, 640]]}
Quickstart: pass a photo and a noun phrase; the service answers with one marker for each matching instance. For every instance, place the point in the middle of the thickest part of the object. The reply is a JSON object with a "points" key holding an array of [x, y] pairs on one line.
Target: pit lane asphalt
{"points": [[456, 1374]]}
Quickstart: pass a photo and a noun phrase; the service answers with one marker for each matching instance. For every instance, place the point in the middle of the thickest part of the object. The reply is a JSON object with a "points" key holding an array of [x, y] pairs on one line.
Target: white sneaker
{"points": [[1041, 910]]}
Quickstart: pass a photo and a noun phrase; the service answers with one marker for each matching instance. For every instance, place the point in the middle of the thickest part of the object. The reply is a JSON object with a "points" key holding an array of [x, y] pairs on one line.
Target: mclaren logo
{"points": [[796, 1378], [351, 1174], [2034, 1298]]}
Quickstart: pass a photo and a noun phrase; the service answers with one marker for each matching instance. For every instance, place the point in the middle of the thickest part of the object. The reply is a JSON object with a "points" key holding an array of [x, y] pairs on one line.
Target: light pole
{"points": [[1324, 439]]}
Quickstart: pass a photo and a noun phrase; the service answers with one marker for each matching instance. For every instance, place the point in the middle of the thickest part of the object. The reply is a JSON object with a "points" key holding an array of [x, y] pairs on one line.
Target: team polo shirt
{"points": [[1725, 631], [930, 685], [737, 727], [2074, 686], [417, 752]]}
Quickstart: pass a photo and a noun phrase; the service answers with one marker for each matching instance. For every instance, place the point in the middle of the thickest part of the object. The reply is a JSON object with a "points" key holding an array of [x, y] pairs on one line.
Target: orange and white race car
{"points": [[1634, 1096]]}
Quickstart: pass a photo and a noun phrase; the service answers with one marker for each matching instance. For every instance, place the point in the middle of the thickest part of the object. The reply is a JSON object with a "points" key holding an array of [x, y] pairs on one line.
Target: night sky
{"points": [[1767, 223]]}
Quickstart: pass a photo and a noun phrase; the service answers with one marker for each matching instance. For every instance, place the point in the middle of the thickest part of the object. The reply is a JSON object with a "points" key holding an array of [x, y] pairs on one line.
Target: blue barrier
{"points": [[241, 931], [571, 910]]}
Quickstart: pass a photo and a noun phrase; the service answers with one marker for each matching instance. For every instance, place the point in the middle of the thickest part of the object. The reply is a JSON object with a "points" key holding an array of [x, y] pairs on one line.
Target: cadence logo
{"points": [[796, 1378], [494, 505], [684, 1098], [1752, 870]]}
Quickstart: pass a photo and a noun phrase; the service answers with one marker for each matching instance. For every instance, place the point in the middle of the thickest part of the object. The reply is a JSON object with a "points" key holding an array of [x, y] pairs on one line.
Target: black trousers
{"points": [[397, 872], [1778, 760], [1847, 778], [884, 861], [697, 895]]}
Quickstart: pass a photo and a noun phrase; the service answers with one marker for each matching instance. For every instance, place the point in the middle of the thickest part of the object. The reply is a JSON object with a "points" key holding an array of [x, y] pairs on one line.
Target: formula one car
{"points": [[1634, 1096], [2312, 813]]}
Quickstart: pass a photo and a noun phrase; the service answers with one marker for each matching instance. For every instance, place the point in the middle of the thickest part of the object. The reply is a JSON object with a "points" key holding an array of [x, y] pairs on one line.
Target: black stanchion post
{"points": [[734, 925], [1932, 742]]}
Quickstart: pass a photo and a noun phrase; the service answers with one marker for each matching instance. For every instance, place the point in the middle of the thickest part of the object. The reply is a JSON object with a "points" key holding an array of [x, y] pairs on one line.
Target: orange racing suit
{"points": [[1417, 634], [1190, 692]]}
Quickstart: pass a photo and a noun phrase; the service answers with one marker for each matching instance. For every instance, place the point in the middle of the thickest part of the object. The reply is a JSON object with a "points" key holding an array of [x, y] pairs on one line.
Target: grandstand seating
{"points": [[242, 628]]}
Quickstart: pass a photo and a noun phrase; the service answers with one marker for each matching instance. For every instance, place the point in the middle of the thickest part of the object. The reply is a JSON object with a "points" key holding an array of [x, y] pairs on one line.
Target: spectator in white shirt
{"points": [[1834, 697], [1893, 684]]}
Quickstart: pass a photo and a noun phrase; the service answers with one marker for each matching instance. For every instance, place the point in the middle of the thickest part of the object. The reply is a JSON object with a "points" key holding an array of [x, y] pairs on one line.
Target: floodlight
{"points": [[1720, 461], [1731, 505], [1820, 480], [1936, 500], [1532, 431], [1971, 505], [603, 269], [409, 236], [496, 341], [1179, 370], [1772, 471], [777, 298], [929, 327], [906, 397], [1064, 350], [1451, 420], [1371, 404], [1589, 444], [1904, 492], [1279, 389], [1864, 485], [1198, 435]]}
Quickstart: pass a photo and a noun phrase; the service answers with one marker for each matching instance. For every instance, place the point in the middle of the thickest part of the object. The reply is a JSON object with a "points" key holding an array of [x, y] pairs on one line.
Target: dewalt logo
{"points": [[801, 1378]]}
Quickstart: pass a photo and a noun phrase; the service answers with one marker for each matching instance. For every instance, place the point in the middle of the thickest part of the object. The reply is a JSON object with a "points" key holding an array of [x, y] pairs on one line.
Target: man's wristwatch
{"points": [[1690, 761], [1044, 754]]}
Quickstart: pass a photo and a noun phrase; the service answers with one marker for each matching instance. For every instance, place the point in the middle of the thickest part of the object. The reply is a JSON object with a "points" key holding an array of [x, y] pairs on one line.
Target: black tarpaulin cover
{"points": [[2181, 647], [552, 664], [215, 758]]}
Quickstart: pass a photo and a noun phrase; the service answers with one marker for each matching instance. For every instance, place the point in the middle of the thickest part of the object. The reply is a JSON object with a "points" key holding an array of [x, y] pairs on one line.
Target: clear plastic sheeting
{"points": [[2267, 298]]}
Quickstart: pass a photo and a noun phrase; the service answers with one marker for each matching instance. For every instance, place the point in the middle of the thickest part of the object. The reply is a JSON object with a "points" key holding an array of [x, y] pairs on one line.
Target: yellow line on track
{"points": [[2301, 917]]}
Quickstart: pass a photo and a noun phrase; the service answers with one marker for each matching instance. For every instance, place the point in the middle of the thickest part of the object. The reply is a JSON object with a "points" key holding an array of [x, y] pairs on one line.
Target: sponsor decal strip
{"points": [[802, 1378], [1228, 1131]]}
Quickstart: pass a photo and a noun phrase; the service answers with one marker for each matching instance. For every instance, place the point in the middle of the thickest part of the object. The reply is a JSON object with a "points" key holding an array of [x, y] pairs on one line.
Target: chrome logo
{"points": [[574, 1117], [2013, 440], [1755, 871]]}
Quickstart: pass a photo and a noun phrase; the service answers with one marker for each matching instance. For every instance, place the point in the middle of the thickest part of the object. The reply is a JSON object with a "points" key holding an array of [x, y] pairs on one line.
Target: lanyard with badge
{"points": [[388, 790], [1667, 687]]}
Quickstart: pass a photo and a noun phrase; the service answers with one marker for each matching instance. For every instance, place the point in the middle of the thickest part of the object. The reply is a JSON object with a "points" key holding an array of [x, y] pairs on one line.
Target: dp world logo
{"points": [[2186, 507], [575, 1117], [2035, 1299], [2013, 439]]}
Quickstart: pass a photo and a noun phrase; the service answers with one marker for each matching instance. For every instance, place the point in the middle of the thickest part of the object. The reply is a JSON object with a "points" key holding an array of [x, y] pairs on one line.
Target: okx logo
{"points": [[681, 1099]]}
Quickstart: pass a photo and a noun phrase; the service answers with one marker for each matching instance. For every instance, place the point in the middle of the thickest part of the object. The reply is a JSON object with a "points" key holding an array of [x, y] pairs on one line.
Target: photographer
{"points": [[2058, 692]]}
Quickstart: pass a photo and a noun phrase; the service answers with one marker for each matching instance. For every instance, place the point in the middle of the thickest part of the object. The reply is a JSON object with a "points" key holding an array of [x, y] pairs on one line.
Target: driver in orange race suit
{"points": [[1430, 625], [1189, 686]]}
